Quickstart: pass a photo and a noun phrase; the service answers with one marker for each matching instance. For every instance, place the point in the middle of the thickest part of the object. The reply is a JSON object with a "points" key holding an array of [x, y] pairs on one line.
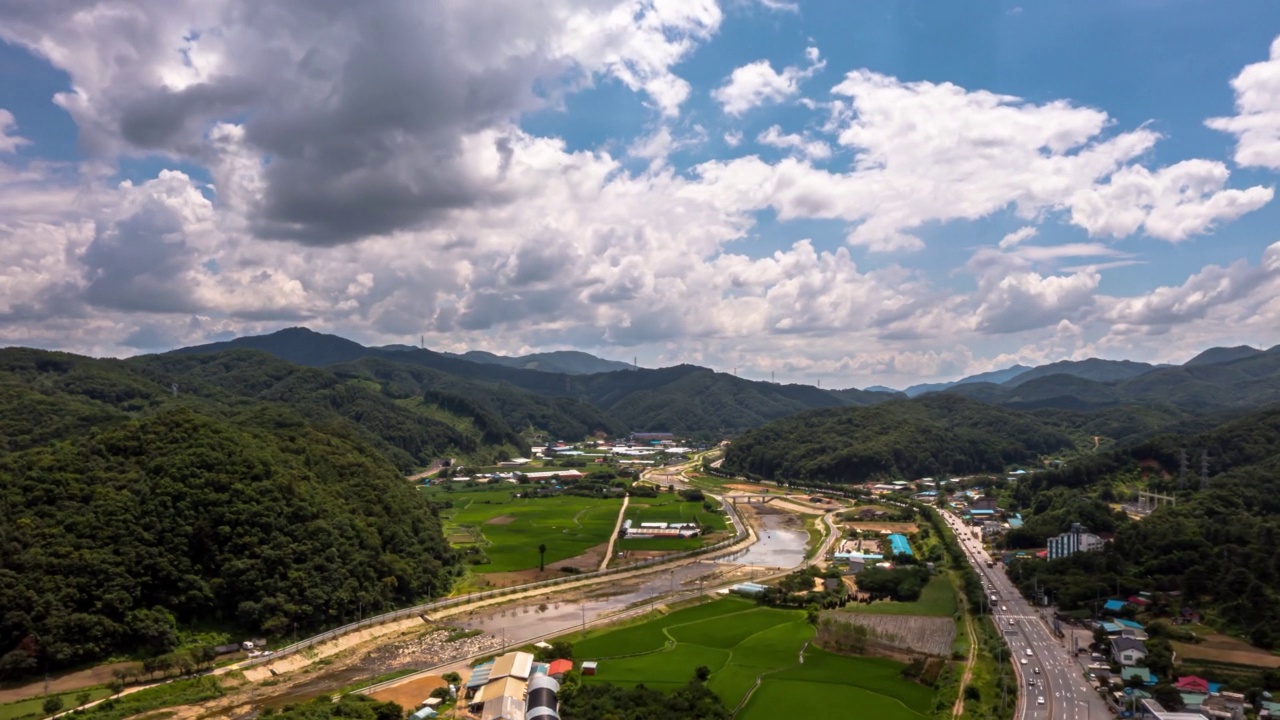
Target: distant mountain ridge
{"points": [[698, 401], [1095, 369], [994, 376], [684, 398], [1223, 354], [568, 362]]}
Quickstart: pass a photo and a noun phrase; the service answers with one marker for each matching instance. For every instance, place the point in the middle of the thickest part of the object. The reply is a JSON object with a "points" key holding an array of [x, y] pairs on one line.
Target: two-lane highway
{"points": [[1050, 683]]}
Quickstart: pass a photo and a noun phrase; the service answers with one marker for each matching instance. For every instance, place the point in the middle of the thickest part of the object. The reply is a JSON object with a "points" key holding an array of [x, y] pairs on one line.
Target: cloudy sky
{"points": [[853, 191]]}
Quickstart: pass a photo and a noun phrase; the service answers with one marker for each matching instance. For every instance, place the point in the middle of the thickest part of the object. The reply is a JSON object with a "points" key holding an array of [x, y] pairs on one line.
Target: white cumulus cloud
{"points": [[757, 83], [1256, 123]]}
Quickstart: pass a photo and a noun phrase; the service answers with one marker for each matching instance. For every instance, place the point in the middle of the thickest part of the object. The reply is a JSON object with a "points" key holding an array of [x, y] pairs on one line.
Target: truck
{"points": [[991, 563]]}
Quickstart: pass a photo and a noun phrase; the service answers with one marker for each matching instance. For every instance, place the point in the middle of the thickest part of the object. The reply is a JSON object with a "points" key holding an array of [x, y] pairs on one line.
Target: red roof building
{"points": [[559, 667], [1192, 684]]}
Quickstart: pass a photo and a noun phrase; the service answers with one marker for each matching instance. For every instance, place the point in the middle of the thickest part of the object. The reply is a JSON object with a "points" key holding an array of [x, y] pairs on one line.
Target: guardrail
{"points": [[424, 608]]}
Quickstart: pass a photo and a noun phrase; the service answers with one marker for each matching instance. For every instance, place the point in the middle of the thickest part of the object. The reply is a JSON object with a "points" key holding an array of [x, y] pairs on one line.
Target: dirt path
{"points": [[432, 469], [617, 527], [958, 710]]}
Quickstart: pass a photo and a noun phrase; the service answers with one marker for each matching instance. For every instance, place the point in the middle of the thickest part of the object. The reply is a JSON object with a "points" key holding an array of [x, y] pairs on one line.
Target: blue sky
{"points": [[688, 182]]}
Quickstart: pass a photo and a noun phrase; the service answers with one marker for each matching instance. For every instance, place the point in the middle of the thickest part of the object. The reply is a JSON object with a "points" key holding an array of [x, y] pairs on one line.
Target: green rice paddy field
{"points": [[510, 529], [743, 643]]}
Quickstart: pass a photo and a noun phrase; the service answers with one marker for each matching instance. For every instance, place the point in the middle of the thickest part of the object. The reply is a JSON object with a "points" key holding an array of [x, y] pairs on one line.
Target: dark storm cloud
{"points": [[358, 109]]}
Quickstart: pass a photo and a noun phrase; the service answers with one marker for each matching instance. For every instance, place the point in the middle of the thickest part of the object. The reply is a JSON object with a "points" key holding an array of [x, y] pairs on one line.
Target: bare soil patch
{"points": [[904, 528], [753, 489], [409, 695], [794, 505], [500, 520], [1226, 649]]}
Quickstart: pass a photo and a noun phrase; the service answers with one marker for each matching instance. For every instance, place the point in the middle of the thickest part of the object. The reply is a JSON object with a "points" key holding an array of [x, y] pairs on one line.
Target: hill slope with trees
{"points": [[930, 435], [128, 513], [1216, 546], [685, 398]]}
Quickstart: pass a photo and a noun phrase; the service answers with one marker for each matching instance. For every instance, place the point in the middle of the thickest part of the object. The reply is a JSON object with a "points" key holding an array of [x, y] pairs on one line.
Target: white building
{"points": [[1075, 540]]}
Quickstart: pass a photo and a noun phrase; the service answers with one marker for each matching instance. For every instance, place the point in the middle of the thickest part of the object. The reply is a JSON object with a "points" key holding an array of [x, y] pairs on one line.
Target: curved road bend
{"points": [[1060, 684]]}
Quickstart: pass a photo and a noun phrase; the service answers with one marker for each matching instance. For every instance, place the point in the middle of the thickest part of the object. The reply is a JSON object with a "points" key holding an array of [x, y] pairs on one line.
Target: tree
{"points": [[542, 557], [52, 704], [82, 699], [1168, 696], [972, 693], [812, 614], [452, 678], [116, 686], [702, 673]]}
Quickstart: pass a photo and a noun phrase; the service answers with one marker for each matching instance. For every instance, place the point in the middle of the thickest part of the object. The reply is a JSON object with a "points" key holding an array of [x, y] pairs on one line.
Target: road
{"points": [[1060, 691]]}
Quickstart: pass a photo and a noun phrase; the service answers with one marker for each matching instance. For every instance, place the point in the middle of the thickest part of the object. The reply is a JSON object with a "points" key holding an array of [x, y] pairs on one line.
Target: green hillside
{"points": [[1216, 381], [128, 513], [498, 411], [1216, 546], [930, 435], [685, 398]]}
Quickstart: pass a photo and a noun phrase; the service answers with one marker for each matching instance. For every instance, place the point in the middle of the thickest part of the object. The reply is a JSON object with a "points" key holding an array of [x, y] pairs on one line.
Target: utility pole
{"points": [[174, 388], [1182, 469]]}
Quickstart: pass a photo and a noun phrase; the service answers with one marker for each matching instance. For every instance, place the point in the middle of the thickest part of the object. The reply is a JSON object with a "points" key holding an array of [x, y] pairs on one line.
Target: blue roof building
{"points": [[1128, 623], [982, 513], [1015, 522], [1114, 606], [1111, 628], [899, 544]]}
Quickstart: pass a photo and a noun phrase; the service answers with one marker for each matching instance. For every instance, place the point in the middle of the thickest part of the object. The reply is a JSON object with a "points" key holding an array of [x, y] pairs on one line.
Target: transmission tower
{"points": [[1182, 469], [174, 388], [1204, 469]]}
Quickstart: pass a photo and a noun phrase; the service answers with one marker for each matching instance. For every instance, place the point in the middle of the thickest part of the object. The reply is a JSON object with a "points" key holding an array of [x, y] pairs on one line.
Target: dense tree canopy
{"points": [[134, 513], [931, 435], [603, 701], [1216, 546]]}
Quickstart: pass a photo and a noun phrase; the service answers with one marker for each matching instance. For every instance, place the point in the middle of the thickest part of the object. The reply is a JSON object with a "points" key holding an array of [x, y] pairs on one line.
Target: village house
{"points": [[1128, 651]]}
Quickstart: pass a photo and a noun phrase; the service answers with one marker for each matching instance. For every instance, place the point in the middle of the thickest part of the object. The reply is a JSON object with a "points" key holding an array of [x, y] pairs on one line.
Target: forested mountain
{"points": [[568, 362], [128, 512], [406, 435], [1234, 385], [1216, 546], [1091, 369], [684, 398], [931, 435], [1212, 356], [995, 376], [492, 409]]}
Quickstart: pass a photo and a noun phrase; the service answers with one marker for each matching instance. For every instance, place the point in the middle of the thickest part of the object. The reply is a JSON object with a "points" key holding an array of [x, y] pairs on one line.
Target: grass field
{"points": [[668, 508], [755, 657], [512, 528], [938, 599], [34, 706]]}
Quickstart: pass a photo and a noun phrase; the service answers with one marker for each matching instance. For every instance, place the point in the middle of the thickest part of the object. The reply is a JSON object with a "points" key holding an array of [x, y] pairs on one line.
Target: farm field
{"points": [[938, 599], [1226, 649], [754, 654], [930, 635], [510, 529]]}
